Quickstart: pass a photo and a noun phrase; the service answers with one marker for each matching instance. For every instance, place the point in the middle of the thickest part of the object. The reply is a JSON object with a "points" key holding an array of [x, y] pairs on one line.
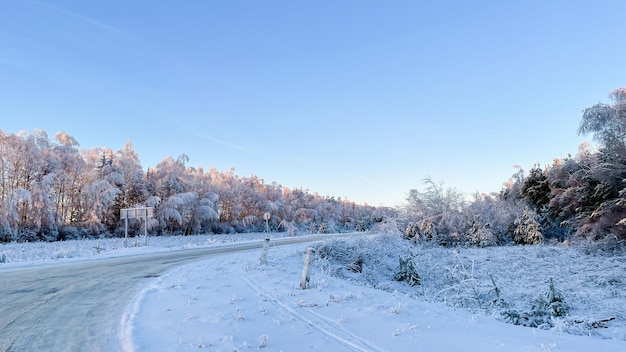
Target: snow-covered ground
{"points": [[234, 303], [45, 253]]}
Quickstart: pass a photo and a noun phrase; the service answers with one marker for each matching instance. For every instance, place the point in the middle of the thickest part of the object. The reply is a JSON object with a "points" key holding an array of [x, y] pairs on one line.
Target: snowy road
{"points": [[78, 306]]}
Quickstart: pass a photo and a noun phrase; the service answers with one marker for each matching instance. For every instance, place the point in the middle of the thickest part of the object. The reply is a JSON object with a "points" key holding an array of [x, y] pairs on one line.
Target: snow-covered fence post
{"points": [[306, 275], [266, 245]]}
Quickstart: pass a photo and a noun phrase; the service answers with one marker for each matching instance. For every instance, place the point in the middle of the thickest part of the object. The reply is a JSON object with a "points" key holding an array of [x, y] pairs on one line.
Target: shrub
{"points": [[411, 231], [480, 235], [543, 310], [554, 302], [406, 271], [388, 226]]}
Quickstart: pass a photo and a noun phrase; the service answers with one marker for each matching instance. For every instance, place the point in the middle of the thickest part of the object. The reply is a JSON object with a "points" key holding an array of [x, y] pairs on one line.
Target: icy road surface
{"points": [[78, 306]]}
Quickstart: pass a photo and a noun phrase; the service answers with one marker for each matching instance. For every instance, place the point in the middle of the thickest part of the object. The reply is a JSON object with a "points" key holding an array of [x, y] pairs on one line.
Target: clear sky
{"points": [[357, 99]]}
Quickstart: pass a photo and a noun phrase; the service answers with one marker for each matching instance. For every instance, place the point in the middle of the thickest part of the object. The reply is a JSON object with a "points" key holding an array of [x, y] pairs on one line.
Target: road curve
{"points": [[78, 306]]}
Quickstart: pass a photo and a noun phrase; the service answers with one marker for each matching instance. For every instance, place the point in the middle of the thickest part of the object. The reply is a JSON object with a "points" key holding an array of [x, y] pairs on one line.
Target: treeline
{"points": [[52, 190], [583, 196]]}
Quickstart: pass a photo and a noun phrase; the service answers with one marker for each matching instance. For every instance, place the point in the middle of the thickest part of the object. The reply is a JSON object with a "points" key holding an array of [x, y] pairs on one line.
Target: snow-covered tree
{"points": [[97, 199], [480, 234], [167, 178], [53, 190], [436, 209], [535, 188], [607, 123], [70, 173], [527, 229], [133, 188], [492, 213]]}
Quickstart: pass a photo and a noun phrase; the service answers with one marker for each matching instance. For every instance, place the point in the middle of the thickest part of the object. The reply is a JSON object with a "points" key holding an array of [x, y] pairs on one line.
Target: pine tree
{"points": [[527, 229]]}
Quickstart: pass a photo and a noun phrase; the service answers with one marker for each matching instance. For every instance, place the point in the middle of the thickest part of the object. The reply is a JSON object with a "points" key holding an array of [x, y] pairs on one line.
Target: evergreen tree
{"points": [[535, 188], [527, 229]]}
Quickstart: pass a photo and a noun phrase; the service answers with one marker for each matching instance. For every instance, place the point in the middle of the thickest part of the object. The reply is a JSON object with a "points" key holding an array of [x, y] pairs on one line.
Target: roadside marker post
{"points": [[266, 245], [306, 270]]}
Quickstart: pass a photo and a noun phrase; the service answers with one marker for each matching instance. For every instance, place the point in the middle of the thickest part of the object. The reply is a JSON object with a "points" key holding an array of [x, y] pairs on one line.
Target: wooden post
{"points": [[306, 270], [266, 245]]}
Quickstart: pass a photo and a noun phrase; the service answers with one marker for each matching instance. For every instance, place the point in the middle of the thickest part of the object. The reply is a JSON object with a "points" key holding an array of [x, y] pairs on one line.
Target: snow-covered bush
{"points": [[71, 233], [367, 257], [411, 231], [463, 288], [480, 235], [388, 226], [543, 310], [289, 226], [554, 302], [407, 271], [427, 231], [527, 229], [263, 340], [608, 244]]}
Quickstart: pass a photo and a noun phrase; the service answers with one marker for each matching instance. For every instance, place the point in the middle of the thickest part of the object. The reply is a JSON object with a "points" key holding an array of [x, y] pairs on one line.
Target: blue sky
{"points": [[357, 99]]}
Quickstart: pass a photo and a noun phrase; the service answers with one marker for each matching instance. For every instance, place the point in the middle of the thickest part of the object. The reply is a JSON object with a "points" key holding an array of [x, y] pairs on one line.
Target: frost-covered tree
{"points": [[53, 190], [583, 196], [26, 172], [102, 182], [490, 214], [435, 201], [603, 193], [436, 209], [70, 173], [97, 198], [535, 188], [15, 212], [527, 229], [167, 178], [480, 234], [230, 206], [133, 188], [43, 213], [607, 123]]}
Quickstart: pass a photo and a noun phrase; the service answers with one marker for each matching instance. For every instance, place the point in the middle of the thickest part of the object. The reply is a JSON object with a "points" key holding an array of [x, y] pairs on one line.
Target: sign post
{"points": [[267, 217], [136, 213]]}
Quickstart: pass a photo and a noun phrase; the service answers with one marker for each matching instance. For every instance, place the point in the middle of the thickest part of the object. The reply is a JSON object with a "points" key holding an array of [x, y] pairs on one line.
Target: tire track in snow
{"points": [[315, 320]]}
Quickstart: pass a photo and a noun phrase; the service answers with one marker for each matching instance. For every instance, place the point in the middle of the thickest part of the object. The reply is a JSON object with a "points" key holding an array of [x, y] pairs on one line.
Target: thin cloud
{"points": [[216, 140], [224, 143]]}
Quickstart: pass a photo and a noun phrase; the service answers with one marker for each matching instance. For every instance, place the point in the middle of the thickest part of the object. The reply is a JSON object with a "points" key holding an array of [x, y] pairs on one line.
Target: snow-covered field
{"points": [[234, 303]]}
